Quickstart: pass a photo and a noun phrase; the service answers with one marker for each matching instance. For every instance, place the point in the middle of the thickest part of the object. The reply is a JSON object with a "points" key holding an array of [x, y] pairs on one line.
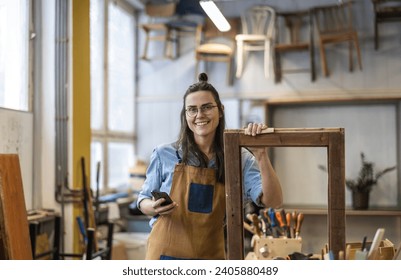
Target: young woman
{"points": [[191, 170]]}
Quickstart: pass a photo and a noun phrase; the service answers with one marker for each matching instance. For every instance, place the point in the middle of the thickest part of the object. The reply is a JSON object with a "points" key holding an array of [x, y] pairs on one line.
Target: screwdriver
{"points": [[273, 220], [290, 230], [294, 215], [300, 219], [280, 221]]}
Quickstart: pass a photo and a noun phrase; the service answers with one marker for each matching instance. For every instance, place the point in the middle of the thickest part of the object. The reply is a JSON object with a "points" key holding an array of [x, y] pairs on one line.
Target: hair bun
{"points": [[202, 77]]}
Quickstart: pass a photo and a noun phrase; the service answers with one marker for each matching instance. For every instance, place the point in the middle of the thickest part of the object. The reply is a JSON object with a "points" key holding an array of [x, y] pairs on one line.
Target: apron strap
{"points": [[178, 156]]}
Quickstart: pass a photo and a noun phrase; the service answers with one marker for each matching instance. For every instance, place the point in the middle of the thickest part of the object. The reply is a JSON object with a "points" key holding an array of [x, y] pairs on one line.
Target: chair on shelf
{"points": [[334, 25], [385, 11], [258, 28], [294, 33], [216, 46], [156, 29], [188, 16]]}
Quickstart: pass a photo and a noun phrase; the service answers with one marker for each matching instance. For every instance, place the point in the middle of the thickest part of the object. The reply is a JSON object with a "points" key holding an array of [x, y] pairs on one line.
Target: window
{"points": [[112, 93], [14, 54]]}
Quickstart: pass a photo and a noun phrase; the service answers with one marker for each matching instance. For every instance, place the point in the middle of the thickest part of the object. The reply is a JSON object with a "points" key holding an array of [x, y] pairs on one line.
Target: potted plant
{"points": [[363, 184]]}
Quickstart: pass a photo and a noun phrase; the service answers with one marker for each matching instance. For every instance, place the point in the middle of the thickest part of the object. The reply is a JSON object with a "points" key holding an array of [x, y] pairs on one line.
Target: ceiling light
{"points": [[215, 15]]}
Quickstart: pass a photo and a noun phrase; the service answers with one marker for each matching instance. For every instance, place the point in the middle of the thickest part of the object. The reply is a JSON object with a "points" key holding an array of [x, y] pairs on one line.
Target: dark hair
{"points": [[186, 138]]}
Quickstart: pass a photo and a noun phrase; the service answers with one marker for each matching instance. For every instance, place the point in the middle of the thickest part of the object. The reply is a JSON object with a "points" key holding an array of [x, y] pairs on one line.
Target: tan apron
{"points": [[195, 228]]}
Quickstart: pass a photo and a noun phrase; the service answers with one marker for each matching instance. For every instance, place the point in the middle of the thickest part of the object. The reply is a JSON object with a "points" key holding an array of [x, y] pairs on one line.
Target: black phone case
{"points": [[157, 195]]}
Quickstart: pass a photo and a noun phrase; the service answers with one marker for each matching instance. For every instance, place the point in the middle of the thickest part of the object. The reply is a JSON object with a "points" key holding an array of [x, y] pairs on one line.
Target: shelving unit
{"points": [[384, 148]]}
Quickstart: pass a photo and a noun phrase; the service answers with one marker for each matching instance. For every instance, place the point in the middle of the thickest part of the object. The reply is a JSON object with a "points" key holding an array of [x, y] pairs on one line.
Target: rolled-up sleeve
{"points": [[153, 179], [159, 175], [252, 180]]}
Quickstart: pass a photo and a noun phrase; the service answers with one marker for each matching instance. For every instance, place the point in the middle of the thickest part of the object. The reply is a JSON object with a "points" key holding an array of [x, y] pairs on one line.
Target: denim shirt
{"points": [[159, 175]]}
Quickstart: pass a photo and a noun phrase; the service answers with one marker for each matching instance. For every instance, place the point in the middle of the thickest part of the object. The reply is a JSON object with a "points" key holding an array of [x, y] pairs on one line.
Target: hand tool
{"points": [[281, 222], [265, 218], [294, 216], [300, 219], [263, 222], [284, 219], [263, 226], [290, 232], [273, 222]]}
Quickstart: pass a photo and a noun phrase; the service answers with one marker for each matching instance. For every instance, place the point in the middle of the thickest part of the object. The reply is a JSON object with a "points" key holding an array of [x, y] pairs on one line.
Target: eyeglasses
{"points": [[193, 111]]}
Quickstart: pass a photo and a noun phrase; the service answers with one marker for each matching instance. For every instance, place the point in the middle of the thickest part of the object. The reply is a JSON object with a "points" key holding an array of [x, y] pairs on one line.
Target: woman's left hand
{"points": [[254, 128]]}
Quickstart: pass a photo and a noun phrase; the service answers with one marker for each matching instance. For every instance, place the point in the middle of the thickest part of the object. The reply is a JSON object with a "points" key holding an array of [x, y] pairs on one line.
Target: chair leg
{"points": [[196, 69], [89, 245], [168, 42], [277, 67], [229, 75], [240, 58], [109, 241], [351, 62], [145, 48], [358, 51], [312, 50], [323, 60], [376, 34], [267, 59]]}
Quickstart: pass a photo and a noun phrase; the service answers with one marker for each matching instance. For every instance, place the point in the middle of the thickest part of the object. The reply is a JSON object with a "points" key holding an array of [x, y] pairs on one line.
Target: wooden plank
{"points": [[235, 215], [15, 242], [331, 138], [336, 192]]}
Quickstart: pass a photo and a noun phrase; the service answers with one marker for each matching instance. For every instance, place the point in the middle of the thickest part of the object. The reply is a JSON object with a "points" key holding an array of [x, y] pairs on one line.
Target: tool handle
{"points": [[272, 217], [288, 219], [279, 219], [300, 219], [290, 229], [294, 215]]}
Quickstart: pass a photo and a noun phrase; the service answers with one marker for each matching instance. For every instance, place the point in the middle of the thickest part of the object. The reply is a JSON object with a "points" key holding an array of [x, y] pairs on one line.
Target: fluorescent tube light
{"points": [[215, 15]]}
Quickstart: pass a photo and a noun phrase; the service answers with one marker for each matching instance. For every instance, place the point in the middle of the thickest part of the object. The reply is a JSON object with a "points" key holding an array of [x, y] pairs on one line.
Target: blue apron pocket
{"points": [[200, 198]]}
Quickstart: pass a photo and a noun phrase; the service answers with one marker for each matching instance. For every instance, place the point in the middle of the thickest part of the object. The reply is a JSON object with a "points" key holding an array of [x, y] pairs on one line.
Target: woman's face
{"points": [[203, 123]]}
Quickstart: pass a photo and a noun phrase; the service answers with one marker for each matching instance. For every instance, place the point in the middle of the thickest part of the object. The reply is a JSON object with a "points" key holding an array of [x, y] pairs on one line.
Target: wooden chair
{"points": [[215, 46], [294, 33], [385, 11], [334, 25], [188, 16], [156, 29], [258, 28]]}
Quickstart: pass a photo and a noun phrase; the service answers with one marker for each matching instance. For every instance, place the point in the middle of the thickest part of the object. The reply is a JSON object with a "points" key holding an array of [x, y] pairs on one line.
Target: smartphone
{"points": [[157, 195]]}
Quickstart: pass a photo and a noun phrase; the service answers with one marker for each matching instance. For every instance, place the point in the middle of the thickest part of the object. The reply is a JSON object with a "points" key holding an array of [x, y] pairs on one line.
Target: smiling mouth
{"points": [[202, 123]]}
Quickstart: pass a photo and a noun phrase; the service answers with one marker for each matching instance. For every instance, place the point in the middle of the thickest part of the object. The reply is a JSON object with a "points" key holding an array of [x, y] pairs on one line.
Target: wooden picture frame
{"points": [[331, 138]]}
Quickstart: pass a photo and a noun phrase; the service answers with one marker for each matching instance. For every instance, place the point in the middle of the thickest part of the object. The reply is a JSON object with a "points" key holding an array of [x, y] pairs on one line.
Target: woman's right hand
{"points": [[153, 207], [163, 210]]}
